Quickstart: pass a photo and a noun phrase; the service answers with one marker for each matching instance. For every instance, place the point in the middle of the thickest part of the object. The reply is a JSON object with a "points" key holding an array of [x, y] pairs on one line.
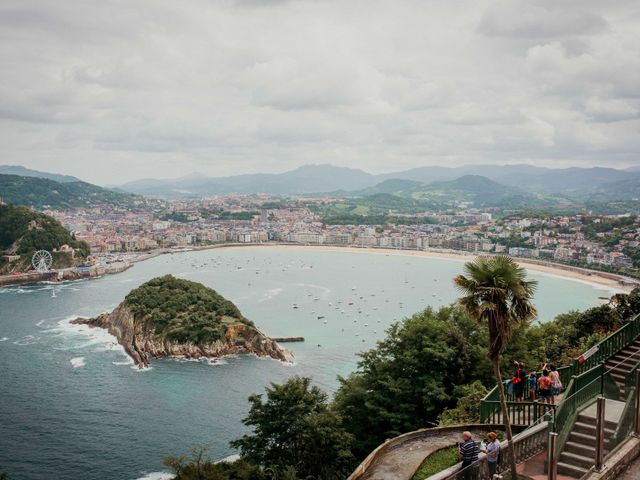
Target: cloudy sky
{"points": [[115, 90]]}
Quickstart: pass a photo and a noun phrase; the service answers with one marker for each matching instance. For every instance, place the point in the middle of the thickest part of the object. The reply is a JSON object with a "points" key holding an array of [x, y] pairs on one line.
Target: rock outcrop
{"points": [[141, 342]]}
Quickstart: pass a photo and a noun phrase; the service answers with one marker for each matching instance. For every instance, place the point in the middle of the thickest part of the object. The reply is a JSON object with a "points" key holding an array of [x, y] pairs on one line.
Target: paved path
{"points": [[400, 462]]}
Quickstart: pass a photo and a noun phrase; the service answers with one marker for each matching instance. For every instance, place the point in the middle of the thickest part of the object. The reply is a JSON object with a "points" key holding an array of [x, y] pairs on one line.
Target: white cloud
{"points": [[163, 88]]}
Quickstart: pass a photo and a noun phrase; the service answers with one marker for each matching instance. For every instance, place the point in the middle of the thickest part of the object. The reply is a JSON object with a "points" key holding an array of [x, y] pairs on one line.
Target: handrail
{"points": [[615, 342], [526, 444]]}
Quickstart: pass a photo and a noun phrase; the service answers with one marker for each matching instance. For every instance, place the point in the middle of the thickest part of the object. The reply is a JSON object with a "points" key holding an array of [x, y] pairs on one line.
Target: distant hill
{"points": [[476, 189], [26, 172], [306, 179], [43, 193], [23, 231], [327, 178], [395, 186]]}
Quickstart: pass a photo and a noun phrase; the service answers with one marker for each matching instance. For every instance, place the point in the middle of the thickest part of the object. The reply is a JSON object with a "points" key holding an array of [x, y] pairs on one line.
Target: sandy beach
{"points": [[616, 283]]}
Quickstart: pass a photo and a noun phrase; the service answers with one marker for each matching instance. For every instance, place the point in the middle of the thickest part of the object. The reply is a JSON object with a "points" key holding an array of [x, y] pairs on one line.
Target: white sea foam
{"points": [[143, 369], [4, 339], [77, 362], [27, 340], [156, 476], [127, 361]]}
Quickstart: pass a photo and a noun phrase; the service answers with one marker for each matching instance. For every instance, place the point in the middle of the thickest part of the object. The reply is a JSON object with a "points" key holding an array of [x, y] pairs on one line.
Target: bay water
{"points": [[72, 405]]}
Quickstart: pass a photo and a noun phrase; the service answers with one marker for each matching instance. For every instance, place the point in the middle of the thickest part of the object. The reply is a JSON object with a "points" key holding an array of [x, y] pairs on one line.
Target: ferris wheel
{"points": [[42, 261]]}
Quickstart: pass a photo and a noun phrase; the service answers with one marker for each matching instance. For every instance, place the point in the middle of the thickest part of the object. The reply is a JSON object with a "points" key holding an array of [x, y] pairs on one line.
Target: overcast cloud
{"points": [[112, 91]]}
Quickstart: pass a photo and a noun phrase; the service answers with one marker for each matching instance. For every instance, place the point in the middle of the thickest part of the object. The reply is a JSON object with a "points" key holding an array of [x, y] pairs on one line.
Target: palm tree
{"points": [[496, 292]]}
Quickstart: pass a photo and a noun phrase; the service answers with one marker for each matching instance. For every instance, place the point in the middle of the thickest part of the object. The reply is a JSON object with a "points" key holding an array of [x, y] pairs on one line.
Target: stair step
{"points": [[608, 425], [572, 470], [630, 351], [586, 428], [621, 358], [580, 449], [618, 373], [582, 439], [619, 367], [577, 460]]}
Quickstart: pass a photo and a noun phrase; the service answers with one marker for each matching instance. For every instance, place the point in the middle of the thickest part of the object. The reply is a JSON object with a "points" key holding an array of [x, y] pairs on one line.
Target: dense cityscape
{"points": [[605, 242]]}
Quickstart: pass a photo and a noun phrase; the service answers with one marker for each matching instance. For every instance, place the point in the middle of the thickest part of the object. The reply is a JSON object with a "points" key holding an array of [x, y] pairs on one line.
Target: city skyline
{"points": [[163, 90]]}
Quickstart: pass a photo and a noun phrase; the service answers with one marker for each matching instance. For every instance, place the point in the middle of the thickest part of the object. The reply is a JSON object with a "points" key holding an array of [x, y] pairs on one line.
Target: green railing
{"points": [[520, 413], [607, 348], [582, 391], [614, 343], [630, 379]]}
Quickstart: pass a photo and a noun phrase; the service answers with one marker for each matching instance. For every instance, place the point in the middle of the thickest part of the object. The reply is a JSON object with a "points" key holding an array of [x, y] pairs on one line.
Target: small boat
{"points": [[320, 317], [350, 303], [295, 306]]}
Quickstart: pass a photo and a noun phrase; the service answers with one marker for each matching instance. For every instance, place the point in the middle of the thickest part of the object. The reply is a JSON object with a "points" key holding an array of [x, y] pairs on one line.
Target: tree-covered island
{"points": [[171, 317]]}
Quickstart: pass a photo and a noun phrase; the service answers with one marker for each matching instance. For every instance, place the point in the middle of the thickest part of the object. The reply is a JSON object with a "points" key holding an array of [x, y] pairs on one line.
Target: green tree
{"points": [[199, 467], [409, 377], [294, 427], [467, 409], [496, 293]]}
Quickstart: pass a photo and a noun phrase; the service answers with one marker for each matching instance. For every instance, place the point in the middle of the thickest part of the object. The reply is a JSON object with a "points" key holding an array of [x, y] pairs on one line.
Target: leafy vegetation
{"points": [[467, 409], [183, 311], [436, 462], [199, 467], [432, 368], [23, 231], [411, 376], [44, 193], [294, 427]]}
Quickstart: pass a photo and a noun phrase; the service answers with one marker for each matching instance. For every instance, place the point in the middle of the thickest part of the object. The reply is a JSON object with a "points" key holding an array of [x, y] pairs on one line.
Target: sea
{"points": [[73, 406]]}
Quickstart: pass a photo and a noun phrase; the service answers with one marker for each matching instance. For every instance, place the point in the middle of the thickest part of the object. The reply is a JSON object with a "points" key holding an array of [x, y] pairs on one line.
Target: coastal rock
{"points": [[169, 317], [142, 344]]}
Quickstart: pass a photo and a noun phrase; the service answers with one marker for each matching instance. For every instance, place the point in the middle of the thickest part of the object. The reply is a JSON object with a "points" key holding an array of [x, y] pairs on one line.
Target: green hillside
{"points": [[44, 193], [23, 231], [183, 311]]}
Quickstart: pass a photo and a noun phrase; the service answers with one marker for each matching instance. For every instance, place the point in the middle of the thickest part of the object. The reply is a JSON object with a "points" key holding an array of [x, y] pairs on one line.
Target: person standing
{"points": [[519, 380], [556, 384], [493, 453], [468, 452], [544, 387], [533, 382]]}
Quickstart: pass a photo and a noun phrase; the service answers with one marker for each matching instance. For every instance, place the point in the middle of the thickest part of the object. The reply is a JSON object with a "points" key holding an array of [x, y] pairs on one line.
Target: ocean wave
{"points": [[135, 368], [27, 340], [77, 362], [156, 476], [4, 339], [127, 361]]}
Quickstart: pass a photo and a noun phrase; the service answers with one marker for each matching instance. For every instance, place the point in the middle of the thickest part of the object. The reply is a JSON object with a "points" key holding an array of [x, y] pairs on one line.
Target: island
{"points": [[171, 317]]}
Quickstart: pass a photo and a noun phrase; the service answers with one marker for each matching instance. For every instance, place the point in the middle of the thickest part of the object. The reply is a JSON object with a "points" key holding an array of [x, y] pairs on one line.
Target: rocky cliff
{"points": [[142, 343]]}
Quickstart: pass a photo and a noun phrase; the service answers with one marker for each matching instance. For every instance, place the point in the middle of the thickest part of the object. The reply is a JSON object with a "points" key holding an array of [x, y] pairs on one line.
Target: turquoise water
{"points": [[72, 406]]}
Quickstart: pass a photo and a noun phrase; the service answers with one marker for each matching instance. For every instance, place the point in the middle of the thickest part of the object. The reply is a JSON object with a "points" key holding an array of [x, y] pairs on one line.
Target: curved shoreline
{"points": [[616, 283]]}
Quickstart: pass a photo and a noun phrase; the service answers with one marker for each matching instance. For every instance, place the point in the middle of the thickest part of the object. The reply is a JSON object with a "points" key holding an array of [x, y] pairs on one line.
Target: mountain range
{"points": [[518, 186], [572, 182]]}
